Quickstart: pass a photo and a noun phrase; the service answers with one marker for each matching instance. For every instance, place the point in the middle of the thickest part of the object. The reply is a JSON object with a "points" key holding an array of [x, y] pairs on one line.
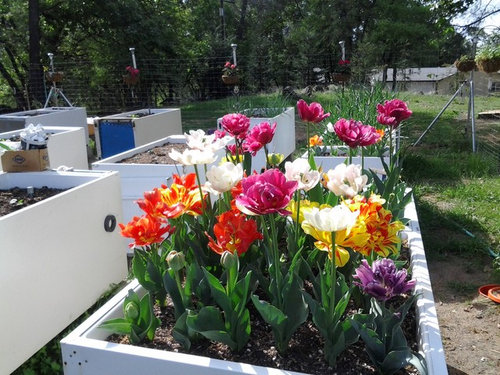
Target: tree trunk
{"points": [[394, 79], [35, 85], [242, 25], [384, 75]]}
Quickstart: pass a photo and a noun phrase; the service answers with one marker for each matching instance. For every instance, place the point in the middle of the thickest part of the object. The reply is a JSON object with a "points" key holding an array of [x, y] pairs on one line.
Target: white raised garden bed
{"points": [[339, 155], [56, 257], [124, 131], [50, 116], [86, 352], [284, 137], [66, 146], [139, 178]]}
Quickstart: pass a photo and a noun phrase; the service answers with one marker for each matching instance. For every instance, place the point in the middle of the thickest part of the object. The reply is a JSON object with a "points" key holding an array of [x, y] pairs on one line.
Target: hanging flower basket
{"points": [[465, 65], [54, 76], [489, 65], [231, 80], [130, 80], [341, 77]]}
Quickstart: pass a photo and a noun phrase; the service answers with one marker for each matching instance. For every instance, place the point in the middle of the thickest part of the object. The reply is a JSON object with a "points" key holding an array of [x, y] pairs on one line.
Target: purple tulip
{"points": [[392, 112], [382, 280], [355, 133], [236, 124], [258, 137], [266, 193], [311, 113]]}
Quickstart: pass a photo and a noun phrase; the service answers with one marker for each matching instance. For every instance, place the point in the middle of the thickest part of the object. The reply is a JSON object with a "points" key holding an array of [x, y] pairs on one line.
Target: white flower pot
{"points": [[124, 131], [50, 116], [56, 257], [66, 146], [284, 137], [86, 351]]}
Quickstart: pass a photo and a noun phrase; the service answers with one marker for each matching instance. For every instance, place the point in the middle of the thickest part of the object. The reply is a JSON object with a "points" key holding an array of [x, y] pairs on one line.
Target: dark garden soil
{"points": [[14, 199], [157, 155], [305, 353]]}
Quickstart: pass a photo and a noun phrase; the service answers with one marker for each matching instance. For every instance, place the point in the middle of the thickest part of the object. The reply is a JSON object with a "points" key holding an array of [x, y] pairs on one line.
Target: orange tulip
{"points": [[234, 232], [145, 230]]}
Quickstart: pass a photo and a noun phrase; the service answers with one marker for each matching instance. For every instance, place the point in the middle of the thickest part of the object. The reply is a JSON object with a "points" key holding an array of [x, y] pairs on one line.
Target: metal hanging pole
{"points": [[132, 52], [472, 117], [439, 114], [342, 45], [233, 46], [54, 91]]}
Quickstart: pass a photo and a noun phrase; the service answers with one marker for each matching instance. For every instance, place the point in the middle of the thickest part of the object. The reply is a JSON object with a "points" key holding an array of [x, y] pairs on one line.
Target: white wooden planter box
{"points": [[139, 178], [284, 137], [56, 258], [158, 123], [330, 162], [86, 351], [66, 146], [50, 116]]}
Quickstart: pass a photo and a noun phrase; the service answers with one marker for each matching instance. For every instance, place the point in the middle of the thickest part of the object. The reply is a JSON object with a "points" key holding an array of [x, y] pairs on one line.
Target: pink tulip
{"points": [[232, 150], [354, 133], [311, 113], [266, 193], [258, 137], [392, 112], [236, 124], [227, 64]]}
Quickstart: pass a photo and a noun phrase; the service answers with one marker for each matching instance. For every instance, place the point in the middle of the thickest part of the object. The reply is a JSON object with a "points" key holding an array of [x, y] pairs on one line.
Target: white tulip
{"points": [[192, 157], [224, 177], [346, 180], [330, 127], [199, 140], [331, 219], [299, 170]]}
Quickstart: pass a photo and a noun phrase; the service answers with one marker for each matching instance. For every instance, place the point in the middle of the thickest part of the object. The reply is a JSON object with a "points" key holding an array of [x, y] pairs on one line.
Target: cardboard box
{"points": [[25, 161]]}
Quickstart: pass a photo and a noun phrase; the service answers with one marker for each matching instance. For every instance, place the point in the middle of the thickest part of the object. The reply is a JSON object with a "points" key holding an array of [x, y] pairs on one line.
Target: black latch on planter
{"points": [[110, 223]]}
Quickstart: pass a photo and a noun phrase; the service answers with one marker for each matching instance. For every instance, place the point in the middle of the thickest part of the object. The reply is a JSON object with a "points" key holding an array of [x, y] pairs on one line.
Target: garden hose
{"points": [[467, 232]]}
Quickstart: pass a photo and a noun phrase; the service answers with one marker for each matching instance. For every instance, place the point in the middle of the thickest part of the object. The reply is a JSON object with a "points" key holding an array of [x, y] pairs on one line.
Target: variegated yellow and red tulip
{"points": [[234, 232], [145, 230], [375, 220], [315, 140], [182, 197]]}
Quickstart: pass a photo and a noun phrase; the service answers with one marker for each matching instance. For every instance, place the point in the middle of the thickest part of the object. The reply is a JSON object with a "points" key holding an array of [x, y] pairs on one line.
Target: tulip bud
{"points": [[131, 311], [275, 159], [228, 260], [176, 261]]}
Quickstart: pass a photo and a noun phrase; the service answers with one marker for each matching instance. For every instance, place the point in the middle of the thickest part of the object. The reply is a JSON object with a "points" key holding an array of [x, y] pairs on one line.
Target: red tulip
{"points": [[355, 133], [258, 137], [392, 112], [236, 124], [311, 113]]}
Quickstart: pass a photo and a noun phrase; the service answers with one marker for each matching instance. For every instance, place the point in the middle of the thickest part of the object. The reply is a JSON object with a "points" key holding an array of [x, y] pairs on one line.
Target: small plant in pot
{"points": [[488, 59], [465, 63]]}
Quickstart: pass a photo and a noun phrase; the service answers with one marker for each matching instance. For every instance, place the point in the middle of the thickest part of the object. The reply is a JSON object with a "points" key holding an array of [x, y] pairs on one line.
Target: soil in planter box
{"points": [[157, 155], [16, 198], [305, 353]]}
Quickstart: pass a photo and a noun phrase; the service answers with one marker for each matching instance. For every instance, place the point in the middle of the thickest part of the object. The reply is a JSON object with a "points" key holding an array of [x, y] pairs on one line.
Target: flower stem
{"points": [[390, 147], [362, 158], [333, 276]]}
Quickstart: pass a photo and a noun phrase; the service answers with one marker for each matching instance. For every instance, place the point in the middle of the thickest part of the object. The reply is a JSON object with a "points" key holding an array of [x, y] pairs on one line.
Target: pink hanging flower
{"points": [[266, 193], [354, 133], [311, 113], [258, 137], [392, 112], [236, 124]]}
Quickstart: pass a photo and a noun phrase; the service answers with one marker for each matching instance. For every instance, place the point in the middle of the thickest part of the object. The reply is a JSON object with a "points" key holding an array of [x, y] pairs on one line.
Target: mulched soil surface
{"points": [[157, 155], [16, 198]]}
